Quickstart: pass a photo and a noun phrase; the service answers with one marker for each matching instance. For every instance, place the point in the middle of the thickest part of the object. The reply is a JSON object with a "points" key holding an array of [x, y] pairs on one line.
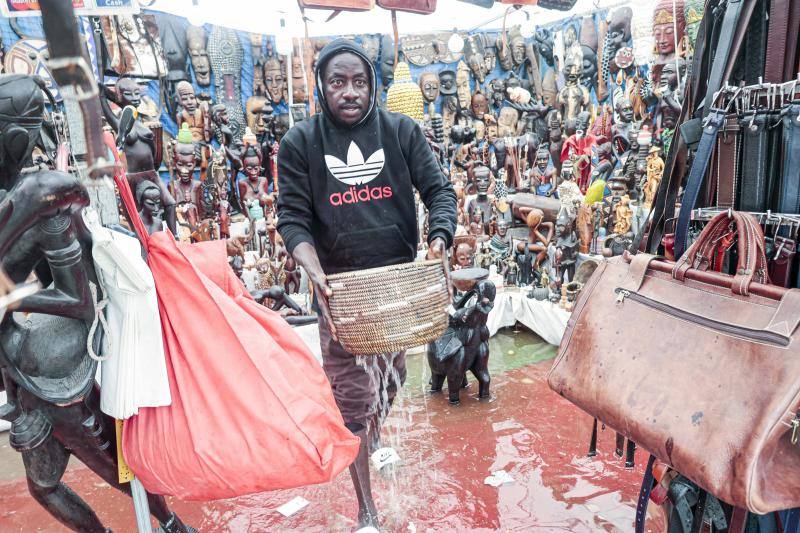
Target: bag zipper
{"points": [[767, 337]]}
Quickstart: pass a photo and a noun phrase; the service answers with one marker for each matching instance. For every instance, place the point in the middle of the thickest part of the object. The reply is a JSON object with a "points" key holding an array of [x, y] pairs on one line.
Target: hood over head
{"points": [[334, 48]]}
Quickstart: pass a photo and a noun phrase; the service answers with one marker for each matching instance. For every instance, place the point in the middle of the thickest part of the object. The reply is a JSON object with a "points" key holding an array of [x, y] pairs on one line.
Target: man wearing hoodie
{"points": [[346, 179]]}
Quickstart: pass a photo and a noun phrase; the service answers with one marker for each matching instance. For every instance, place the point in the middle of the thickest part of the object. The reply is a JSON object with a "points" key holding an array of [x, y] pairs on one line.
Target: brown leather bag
{"points": [[699, 368], [338, 5], [422, 7]]}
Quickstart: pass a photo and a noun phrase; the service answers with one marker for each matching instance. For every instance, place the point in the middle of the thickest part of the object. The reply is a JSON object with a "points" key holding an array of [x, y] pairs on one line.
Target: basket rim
{"points": [[387, 268]]}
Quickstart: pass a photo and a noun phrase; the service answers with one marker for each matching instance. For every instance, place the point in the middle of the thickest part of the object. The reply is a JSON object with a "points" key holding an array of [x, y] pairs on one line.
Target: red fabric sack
{"points": [[251, 408]]}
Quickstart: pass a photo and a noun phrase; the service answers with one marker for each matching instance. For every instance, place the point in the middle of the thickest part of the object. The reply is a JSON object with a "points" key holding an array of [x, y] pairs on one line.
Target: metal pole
{"points": [[141, 506]]}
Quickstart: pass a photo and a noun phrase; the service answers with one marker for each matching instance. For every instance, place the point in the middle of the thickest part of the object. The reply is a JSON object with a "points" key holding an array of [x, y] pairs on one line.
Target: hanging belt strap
{"points": [[644, 495], [694, 183], [789, 193], [790, 66], [755, 158], [777, 40], [755, 53], [730, 40]]}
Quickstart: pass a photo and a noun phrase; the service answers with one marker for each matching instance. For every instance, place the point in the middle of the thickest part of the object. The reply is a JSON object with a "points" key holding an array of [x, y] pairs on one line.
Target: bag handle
{"points": [[752, 259]]}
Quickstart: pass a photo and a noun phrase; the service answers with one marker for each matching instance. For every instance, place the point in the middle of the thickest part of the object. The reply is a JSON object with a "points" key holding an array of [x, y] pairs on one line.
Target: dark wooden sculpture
{"points": [[53, 402], [465, 344]]}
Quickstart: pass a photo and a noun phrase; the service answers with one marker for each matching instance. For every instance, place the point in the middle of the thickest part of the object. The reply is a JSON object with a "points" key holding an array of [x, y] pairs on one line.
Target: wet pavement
{"points": [[447, 451]]}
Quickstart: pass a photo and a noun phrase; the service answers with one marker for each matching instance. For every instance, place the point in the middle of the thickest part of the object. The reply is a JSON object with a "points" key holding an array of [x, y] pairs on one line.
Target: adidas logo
{"points": [[356, 171]]}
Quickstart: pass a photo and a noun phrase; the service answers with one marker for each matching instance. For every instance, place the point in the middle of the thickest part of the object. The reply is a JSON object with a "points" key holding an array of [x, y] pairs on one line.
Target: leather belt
{"points": [[755, 161], [789, 188], [724, 175], [790, 65], [644, 495], [777, 40], [756, 48], [728, 45], [712, 124]]}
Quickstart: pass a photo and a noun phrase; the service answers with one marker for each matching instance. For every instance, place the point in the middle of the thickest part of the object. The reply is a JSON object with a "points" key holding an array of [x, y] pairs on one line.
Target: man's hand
{"points": [[438, 250], [306, 256], [235, 246]]}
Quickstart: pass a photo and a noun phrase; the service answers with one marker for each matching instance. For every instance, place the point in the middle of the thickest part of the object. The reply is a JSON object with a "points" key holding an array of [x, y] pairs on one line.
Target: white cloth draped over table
{"points": [[545, 319], [133, 368]]}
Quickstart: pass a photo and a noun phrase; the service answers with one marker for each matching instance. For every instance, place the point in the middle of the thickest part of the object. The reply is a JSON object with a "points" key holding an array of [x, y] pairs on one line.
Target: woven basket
{"points": [[389, 309]]}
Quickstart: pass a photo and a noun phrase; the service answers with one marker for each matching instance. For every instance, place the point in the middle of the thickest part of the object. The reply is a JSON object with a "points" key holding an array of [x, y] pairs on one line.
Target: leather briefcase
{"points": [[338, 5], [701, 369], [422, 7]]}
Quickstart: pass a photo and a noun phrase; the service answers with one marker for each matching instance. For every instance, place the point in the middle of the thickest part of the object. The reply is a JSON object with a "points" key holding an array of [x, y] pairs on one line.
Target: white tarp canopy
{"points": [[264, 16]]}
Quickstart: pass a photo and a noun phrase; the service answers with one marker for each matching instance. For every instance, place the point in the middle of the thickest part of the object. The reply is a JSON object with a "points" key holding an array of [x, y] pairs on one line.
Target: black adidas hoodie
{"points": [[349, 190]]}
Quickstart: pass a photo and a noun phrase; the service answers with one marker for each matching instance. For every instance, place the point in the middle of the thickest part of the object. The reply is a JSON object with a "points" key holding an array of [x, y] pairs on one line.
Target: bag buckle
{"points": [[795, 430]]}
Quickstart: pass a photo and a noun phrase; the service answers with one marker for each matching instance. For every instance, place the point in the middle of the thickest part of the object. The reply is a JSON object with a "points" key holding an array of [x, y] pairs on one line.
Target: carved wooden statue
{"points": [[464, 345], [47, 370]]}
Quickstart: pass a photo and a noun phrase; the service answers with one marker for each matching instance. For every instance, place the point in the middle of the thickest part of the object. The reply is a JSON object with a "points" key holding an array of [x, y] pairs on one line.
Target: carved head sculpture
{"points": [[549, 88], [669, 117], [544, 43], [483, 178], [619, 29], [504, 55], [693, 14], [183, 161], [464, 254], [274, 80], [387, 60], [148, 196], [462, 85], [447, 82], [517, 44], [666, 27], [542, 157], [473, 53], [624, 109], [668, 80], [251, 163], [299, 93], [258, 111], [566, 170], [502, 227], [480, 129], [588, 36], [280, 125], [219, 115], [512, 82], [571, 126], [589, 67], [186, 96], [372, 46], [498, 92], [196, 41], [564, 224], [128, 92], [429, 84], [582, 123], [479, 105], [572, 68], [507, 121], [491, 126]]}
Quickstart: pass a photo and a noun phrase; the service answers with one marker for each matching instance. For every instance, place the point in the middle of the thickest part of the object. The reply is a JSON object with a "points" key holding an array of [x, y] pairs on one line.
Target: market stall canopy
{"points": [[258, 16]]}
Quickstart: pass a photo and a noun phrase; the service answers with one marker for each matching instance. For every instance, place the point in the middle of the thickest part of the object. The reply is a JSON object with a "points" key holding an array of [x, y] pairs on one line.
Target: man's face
{"points": [[480, 130], [482, 180], [479, 105], [541, 161], [220, 115], [274, 80], [185, 163], [669, 78], [464, 255], [129, 92], [491, 130], [252, 167], [518, 51], [502, 228], [346, 85]]}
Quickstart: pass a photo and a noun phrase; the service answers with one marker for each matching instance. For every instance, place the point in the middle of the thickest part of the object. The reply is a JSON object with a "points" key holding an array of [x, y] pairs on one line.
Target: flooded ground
{"points": [[447, 451]]}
